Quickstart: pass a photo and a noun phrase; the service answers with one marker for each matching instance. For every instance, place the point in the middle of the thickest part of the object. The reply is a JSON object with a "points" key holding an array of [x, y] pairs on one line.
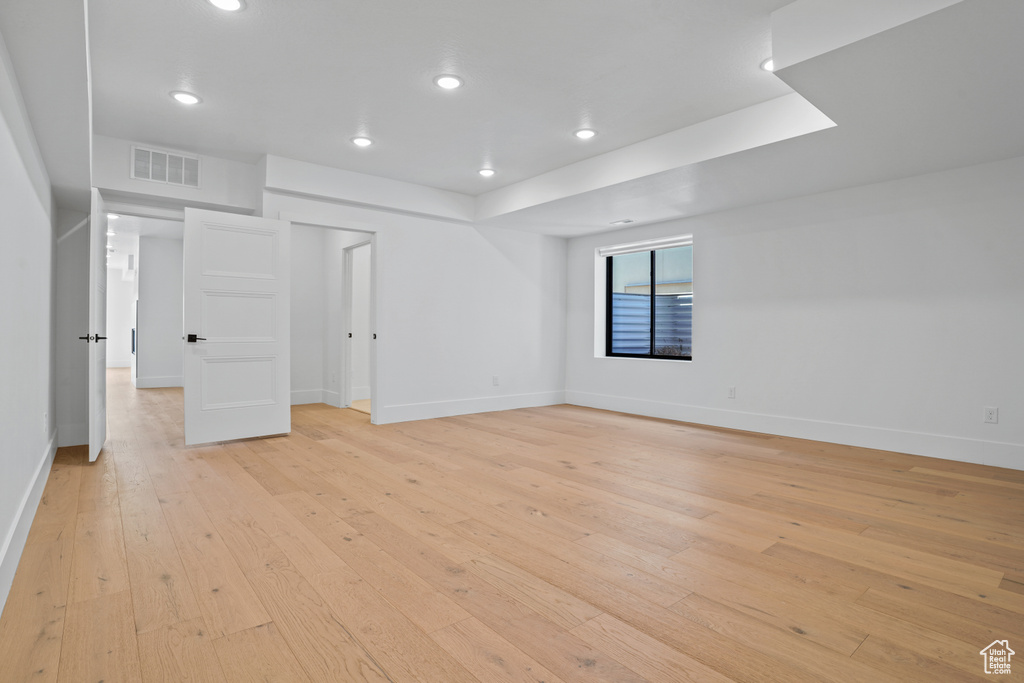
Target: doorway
{"points": [[332, 297], [332, 316]]}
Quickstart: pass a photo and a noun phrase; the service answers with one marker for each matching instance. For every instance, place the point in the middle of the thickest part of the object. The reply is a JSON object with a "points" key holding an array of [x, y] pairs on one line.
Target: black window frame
{"points": [[608, 300]]}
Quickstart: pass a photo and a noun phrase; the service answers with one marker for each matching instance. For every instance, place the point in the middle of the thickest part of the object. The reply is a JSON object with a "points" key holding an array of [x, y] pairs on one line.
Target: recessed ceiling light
{"points": [[768, 64], [448, 82], [227, 5], [362, 142], [112, 216], [624, 221], [585, 133], [486, 172], [185, 97], [110, 233]]}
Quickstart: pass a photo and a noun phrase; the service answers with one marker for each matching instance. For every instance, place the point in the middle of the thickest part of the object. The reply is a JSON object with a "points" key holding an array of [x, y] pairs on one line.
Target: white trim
{"points": [[113, 363], [304, 396], [428, 411], [17, 534], [645, 245], [159, 382], [360, 393], [978, 451], [332, 398]]}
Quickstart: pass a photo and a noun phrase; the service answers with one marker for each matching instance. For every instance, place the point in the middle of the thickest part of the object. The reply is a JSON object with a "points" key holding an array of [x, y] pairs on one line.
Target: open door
{"points": [[97, 326], [236, 326]]}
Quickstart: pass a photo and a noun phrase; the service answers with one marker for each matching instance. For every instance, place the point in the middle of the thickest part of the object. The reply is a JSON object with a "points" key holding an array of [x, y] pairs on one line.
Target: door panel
{"points": [[236, 288], [97, 326]]}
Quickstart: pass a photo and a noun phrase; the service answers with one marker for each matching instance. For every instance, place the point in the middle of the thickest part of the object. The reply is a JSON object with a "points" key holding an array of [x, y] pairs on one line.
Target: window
{"points": [[649, 298]]}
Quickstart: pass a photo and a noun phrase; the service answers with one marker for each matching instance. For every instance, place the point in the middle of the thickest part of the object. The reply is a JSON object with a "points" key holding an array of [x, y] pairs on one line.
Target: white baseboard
{"points": [[332, 398], [961, 449], [427, 411], [72, 435], [360, 393], [304, 396], [119, 363], [158, 382], [17, 534]]}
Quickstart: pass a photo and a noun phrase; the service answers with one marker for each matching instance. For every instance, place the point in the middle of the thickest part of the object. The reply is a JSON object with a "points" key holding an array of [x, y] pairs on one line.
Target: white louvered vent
{"points": [[165, 167]]}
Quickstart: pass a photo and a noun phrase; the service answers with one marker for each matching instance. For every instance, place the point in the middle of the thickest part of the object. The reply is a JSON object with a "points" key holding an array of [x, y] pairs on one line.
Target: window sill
{"points": [[660, 360]]}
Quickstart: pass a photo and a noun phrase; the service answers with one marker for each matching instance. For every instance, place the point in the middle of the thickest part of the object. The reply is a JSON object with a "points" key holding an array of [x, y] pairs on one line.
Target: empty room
{"points": [[511, 342]]}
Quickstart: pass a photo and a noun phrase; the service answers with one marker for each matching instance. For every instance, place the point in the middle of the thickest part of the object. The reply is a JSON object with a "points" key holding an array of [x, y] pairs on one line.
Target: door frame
{"points": [[376, 304]]}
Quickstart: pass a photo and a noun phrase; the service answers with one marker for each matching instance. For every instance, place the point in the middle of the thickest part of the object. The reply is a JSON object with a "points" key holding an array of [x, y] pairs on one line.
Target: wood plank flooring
{"points": [[540, 545]]}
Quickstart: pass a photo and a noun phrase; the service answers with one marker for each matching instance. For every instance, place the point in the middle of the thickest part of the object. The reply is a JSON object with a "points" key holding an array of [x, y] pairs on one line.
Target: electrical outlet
{"points": [[46, 421], [732, 392], [992, 415], [494, 380]]}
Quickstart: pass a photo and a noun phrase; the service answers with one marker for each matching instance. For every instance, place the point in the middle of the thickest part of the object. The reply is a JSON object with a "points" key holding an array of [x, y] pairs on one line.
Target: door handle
{"points": [[193, 338], [87, 339], [98, 337]]}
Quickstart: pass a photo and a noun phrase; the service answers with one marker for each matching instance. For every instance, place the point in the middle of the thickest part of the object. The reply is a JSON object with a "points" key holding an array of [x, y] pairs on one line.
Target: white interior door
{"points": [[97, 326], [236, 326]]}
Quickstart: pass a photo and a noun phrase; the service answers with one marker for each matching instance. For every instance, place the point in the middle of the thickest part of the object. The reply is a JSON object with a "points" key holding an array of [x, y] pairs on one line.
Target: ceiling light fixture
{"points": [[768, 65], [110, 233], [585, 133], [112, 216], [624, 221], [362, 142], [185, 97], [227, 5], [448, 82], [486, 172]]}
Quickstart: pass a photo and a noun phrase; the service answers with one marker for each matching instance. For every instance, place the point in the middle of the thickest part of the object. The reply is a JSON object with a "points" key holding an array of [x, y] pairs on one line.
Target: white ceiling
{"points": [[299, 78], [943, 91]]}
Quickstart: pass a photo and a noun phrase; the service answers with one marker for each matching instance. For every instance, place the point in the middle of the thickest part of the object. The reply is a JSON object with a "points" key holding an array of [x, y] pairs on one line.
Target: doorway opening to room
{"points": [[144, 303], [333, 360], [331, 335]]}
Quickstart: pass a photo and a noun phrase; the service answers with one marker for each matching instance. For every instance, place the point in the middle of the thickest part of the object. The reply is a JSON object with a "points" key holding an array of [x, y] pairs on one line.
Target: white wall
{"points": [[159, 355], [223, 184], [456, 306], [308, 324], [120, 296], [27, 355], [884, 316]]}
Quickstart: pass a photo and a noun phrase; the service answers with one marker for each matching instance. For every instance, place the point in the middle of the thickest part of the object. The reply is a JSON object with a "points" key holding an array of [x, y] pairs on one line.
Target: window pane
{"points": [[631, 303], [673, 305]]}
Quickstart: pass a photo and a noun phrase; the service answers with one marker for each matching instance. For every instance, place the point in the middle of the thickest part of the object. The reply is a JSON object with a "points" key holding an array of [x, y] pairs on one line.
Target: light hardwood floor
{"points": [[550, 544]]}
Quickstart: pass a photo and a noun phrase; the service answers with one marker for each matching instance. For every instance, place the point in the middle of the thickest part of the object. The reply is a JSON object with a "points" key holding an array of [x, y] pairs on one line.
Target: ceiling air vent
{"points": [[165, 167]]}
